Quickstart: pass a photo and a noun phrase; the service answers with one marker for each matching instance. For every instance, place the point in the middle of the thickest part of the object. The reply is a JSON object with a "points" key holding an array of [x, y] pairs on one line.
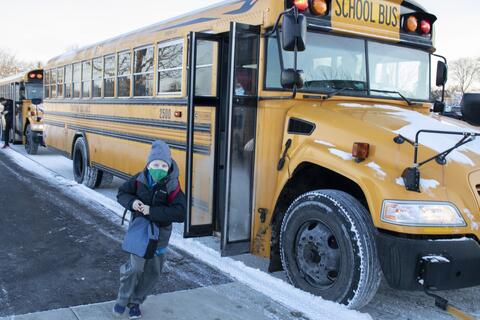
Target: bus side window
{"points": [[124, 74], [170, 61], [77, 80], [143, 72], [109, 77]]}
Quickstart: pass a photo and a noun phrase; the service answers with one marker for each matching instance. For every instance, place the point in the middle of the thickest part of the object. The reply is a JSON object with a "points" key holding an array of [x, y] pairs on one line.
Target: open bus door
{"points": [[227, 202], [200, 168]]}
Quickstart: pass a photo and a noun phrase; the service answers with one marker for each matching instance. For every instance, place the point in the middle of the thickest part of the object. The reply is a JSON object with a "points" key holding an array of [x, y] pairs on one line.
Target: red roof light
{"points": [[425, 26], [301, 5]]}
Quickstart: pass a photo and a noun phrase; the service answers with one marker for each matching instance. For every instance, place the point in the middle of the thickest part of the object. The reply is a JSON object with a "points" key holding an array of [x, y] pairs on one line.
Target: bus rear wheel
{"points": [[30, 145], [82, 171], [328, 248]]}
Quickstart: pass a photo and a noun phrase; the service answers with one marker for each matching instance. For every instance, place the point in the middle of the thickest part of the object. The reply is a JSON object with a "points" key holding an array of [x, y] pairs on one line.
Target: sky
{"points": [[37, 30]]}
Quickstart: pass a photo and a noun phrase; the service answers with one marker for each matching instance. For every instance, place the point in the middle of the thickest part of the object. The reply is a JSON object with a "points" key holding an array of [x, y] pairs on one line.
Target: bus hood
{"points": [[407, 122]]}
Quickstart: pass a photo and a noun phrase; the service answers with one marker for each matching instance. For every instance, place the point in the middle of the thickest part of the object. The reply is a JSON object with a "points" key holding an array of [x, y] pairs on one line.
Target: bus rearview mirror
{"points": [[442, 74], [294, 32], [292, 79]]}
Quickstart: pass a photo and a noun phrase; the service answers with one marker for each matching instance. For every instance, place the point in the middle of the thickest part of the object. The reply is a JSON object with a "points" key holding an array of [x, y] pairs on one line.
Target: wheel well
{"points": [[307, 177]]}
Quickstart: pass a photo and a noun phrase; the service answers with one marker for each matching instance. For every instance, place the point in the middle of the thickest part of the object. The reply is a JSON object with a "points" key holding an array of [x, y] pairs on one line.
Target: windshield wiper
{"points": [[336, 93], [410, 103]]}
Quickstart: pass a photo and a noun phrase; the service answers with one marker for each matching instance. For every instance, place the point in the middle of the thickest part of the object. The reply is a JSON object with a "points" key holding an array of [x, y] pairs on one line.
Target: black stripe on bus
{"points": [[134, 121], [137, 101], [131, 137]]}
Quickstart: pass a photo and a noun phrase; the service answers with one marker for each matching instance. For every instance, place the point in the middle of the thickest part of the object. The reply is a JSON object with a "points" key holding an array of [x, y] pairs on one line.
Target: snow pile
{"points": [[278, 290]]}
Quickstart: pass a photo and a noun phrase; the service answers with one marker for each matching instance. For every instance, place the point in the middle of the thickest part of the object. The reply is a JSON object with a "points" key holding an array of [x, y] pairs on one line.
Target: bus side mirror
{"points": [[471, 108], [292, 79], [442, 74], [294, 32]]}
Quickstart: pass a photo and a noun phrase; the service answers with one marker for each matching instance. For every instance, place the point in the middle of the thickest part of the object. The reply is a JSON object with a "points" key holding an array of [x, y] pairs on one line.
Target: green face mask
{"points": [[157, 174]]}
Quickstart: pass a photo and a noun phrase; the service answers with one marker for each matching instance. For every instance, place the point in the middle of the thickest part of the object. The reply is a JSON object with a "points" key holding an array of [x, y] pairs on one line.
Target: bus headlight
{"points": [[422, 214]]}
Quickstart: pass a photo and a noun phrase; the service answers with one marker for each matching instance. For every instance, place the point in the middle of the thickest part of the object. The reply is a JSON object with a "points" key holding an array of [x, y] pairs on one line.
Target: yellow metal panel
{"points": [[373, 18]]}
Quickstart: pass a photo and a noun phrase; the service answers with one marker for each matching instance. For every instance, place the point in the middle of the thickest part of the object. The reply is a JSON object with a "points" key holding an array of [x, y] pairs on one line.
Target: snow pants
{"points": [[138, 277]]}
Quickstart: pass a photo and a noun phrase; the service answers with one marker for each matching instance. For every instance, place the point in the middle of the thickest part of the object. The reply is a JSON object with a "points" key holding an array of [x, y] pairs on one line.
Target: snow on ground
{"points": [[388, 304], [278, 290]]}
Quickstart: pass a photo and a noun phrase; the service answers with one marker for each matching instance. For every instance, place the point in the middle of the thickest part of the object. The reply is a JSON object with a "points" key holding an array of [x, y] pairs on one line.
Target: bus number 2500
{"points": [[165, 114]]}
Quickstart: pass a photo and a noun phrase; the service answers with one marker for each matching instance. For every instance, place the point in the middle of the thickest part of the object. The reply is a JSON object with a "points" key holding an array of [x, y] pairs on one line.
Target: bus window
{"points": [[204, 85], [329, 63], [124, 74], [143, 72], [170, 61], [68, 81], [33, 91], [109, 75], [400, 69], [21, 94], [97, 77], [60, 78], [86, 78], [53, 83], [77, 80], [46, 81]]}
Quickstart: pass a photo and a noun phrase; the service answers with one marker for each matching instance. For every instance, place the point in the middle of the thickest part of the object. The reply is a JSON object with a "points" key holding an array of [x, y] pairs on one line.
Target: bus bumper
{"points": [[440, 265]]}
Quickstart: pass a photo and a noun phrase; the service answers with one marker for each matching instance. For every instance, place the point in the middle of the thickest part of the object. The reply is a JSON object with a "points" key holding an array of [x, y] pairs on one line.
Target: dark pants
{"points": [[6, 132]]}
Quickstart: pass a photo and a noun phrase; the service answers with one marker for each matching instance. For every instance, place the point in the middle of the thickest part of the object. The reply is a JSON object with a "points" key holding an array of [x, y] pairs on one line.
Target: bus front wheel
{"points": [[82, 171], [30, 145], [328, 248]]}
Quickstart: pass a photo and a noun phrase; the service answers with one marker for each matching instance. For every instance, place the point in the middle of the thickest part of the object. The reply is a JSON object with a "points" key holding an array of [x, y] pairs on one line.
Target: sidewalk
{"points": [[224, 302]]}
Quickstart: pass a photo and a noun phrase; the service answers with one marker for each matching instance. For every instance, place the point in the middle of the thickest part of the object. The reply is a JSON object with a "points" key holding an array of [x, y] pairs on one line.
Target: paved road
{"points": [[57, 253]]}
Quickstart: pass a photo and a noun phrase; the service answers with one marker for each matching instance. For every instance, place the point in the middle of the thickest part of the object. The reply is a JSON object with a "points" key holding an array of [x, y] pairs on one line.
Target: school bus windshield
{"points": [[331, 63], [34, 91]]}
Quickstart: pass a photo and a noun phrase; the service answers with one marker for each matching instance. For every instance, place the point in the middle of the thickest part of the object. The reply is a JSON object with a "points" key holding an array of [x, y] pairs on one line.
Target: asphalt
{"points": [[57, 253]]}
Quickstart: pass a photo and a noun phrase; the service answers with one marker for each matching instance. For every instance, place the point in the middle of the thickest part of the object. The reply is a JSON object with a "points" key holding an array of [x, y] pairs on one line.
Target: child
{"points": [[154, 193]]}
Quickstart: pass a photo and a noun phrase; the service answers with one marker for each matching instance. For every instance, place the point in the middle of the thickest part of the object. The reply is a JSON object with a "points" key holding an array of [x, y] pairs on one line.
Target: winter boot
{"points": [[134, 312], [118, 310]]}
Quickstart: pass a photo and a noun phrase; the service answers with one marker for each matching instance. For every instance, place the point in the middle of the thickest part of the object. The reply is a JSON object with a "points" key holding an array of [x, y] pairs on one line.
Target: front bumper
{"points": [[405, 268]]}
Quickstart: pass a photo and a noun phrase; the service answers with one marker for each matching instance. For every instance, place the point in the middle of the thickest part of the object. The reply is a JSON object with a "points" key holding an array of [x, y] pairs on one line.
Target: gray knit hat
{"points": [[160, 151]]}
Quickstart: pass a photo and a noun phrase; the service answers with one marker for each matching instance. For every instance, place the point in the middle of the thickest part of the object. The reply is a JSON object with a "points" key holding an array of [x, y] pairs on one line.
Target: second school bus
{"points": [[323, 173], [26, 92]]}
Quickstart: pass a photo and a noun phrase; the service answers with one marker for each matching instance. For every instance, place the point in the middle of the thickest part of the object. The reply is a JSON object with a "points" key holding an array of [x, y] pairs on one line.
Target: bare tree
{"points": [[9, 64], [465, 72]]}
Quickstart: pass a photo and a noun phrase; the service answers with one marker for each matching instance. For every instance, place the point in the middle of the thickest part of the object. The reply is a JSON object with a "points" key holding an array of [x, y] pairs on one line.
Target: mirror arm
{"points": [[295, 57]]}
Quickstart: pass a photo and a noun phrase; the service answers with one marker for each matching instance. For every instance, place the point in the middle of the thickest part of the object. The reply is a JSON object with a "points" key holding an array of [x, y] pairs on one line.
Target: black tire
{"points": [[328, 248], [82, 171], [30, 146]]}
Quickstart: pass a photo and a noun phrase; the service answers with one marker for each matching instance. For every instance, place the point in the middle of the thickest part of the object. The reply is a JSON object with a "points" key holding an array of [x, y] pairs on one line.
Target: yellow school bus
{"points": [[26, 90], [305, 133]]}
